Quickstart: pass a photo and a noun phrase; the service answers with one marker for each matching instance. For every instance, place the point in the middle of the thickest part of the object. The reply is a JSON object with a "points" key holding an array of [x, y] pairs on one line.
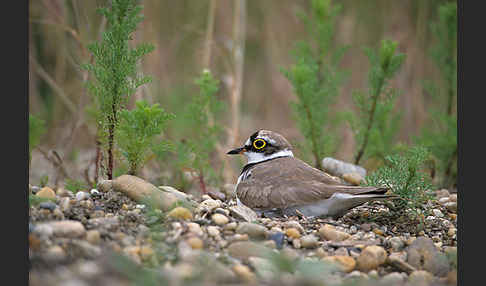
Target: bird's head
{"points": [[264, 145]]}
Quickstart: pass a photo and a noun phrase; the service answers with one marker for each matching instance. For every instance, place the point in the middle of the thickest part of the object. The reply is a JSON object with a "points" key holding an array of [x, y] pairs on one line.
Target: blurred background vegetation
{"points": [[245, 44]]}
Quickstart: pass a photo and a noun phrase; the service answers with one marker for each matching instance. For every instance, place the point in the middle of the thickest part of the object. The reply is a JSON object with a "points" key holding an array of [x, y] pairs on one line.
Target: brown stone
{"points": [[371, 257], [344, 263]]}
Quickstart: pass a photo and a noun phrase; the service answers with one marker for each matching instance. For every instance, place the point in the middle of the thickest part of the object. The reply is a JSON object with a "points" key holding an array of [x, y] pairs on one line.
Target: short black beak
{"points": [[236, 151]]}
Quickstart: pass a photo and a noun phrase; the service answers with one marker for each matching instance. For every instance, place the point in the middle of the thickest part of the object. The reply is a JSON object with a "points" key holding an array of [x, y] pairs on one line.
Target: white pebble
{"points": [[81, 196], [437, 213]]}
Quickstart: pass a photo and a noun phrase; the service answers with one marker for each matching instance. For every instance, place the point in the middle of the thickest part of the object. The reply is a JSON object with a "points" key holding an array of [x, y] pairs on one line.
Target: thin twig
{"points": [[237, 56], [56, 161], [370, 122], [57, 90], [209, 34]]}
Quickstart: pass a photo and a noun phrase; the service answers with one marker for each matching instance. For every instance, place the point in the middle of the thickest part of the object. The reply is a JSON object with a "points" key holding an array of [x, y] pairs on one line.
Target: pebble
{"points": [[56, 253], [294, 224], [180, 213], [46, 193], [94, 192], [342, 251], [64, 228], [353, 178], [93, 236], [85, 249], [245, 249], [339, 168], [195, 242], [243, 212], [47, 205], [263, 267], [290, 253], [329, 232], [255, 231], [292, 233], [34, 189], [423, 255], [420, 277], [453, 198], [321, 253], [244, 273], [195, 228], [88, 269], [371, 257], [208, 205], [230, 226], [356, 276], [65, 204], [278, 237], [393, 278], [373, 274], [378, 231], [222, 211], [270, 244], [451, 206], [239, 237], [437, 213], [213, 231], [296, 243], [104, 185], [219, 219], [58, 214], [443, 193], [396, 243], [217, 195], [81, 196], [343, 263], [97, 214], [63, 193]]}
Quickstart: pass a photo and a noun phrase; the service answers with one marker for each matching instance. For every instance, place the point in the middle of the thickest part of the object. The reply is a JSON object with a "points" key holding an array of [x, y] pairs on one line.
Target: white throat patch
{"points": [[254, 157]]}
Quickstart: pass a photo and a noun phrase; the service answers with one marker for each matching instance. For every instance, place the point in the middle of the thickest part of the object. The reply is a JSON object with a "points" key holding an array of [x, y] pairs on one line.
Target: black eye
{"points": [[259, 143]]}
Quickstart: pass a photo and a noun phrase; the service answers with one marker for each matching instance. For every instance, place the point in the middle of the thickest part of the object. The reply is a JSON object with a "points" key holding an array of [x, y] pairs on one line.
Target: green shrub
{"points": [[75, 186], [195, 151], [404, 175], [315, 79], [114, 71], [36, 200], [440, 135], [37, 128], [137, 135], [375, 125]]}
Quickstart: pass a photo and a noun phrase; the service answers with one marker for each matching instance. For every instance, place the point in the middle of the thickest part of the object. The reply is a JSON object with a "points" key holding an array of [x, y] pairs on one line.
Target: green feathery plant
{"points": [[195, 151], [315, 79], [375, 125], [36, 129], [441, 135], [404, 174], [75, 185], [138, 131], [114, 70]]}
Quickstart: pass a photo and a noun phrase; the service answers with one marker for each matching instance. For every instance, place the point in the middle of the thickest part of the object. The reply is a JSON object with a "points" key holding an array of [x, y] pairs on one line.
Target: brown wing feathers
{"points": [[287, 181]]}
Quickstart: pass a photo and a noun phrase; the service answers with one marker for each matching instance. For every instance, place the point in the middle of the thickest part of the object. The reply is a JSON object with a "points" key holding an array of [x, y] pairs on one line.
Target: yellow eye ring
{"points": [[257, 144]]}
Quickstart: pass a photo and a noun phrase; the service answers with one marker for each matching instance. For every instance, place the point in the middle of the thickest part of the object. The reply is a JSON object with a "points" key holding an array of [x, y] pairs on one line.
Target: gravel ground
{"points": [[104, 237]]}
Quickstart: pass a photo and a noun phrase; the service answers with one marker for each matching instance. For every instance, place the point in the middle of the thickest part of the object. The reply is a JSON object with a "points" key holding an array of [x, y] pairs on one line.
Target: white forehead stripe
{"points": [[267, 139]]}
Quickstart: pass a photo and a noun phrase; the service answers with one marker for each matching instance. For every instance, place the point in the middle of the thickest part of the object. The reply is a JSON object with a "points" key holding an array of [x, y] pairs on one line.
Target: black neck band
{"points": [[248, 166]]}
